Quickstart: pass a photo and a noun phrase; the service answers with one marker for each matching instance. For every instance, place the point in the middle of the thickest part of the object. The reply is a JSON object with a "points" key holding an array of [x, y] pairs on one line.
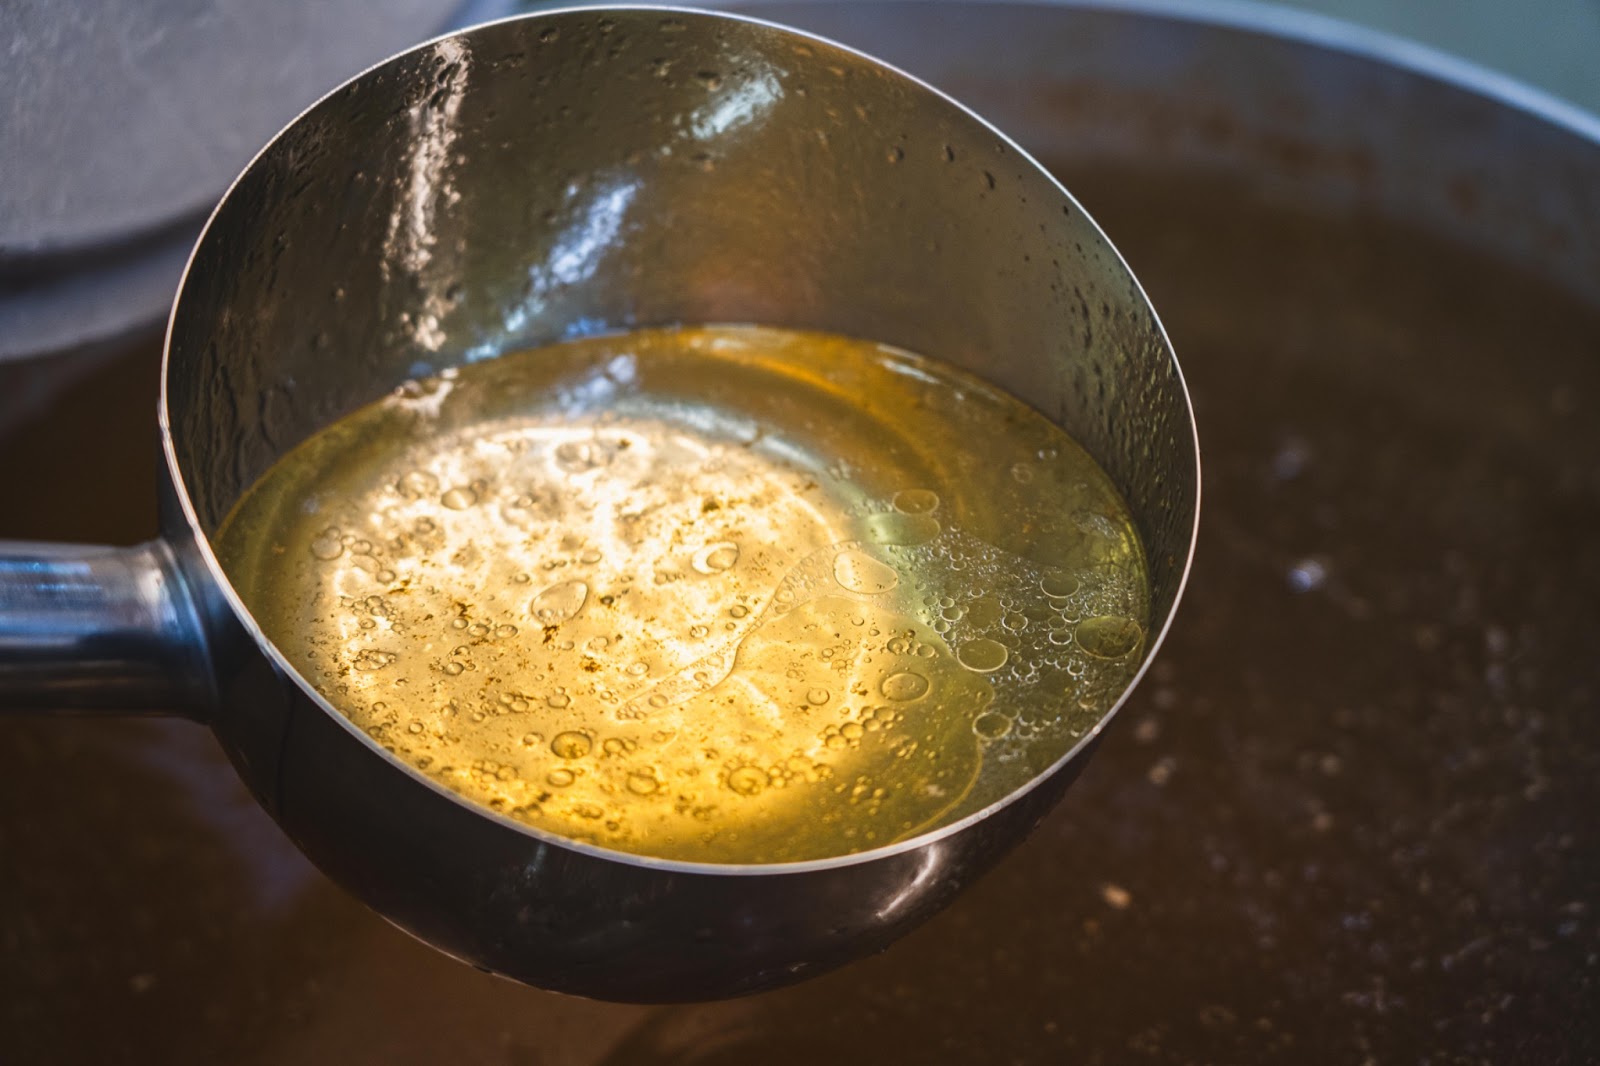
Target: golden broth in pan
{"points": [[728, 594]]}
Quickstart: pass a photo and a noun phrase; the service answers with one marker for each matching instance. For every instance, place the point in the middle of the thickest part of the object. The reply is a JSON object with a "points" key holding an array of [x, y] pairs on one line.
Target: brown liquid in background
{"points": [[1346, 822]]}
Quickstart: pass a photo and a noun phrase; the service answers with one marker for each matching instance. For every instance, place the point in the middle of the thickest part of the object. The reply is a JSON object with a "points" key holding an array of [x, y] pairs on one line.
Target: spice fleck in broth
{"points": [[725, 595]]}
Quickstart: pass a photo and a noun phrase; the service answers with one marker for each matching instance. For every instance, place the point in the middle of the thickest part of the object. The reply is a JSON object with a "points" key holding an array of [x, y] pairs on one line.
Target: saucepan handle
{"points": [[91, 628]]}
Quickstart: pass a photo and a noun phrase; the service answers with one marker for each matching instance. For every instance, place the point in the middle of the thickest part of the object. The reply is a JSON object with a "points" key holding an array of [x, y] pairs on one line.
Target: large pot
{"points": [[540, 178]]}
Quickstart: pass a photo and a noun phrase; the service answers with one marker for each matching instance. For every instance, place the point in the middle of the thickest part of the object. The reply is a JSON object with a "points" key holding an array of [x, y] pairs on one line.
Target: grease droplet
{"points": [[559, 602], [571, 745], [905, 685], [1058, 584], [369, 660], [859, 572], [459, 498], [982, 655], [419, 483], [327, 546], [916, 501], [1109, 636], [747, 780], [582, 456], [991, 726], [715, 558]]}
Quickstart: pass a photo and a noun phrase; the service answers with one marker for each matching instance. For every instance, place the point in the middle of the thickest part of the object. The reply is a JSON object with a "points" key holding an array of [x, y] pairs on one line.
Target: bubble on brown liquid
{"points": [[582, 456], [747, 780], [459, 498], [559, 602], [643, 783], [982, 655], [558, 700], [817, 697], [571, 744], [991, 726], [369, 564], [916, 501], [905, 685], [371, 660], [715, 558], [902, 530], [327, 546], [418, 484], [1109, 636], [560, 777], [1058, 584], [861, 573]]}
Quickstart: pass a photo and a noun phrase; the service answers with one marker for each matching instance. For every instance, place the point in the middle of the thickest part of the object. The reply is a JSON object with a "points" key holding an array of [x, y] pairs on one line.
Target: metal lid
{"points": [[123, 120]]}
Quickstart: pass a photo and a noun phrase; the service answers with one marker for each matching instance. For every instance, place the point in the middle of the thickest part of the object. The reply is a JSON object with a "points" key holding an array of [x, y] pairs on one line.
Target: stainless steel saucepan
{"points": [[528, 180]]}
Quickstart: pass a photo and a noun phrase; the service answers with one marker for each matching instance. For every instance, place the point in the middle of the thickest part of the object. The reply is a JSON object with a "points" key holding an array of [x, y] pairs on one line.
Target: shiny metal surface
{"points": [[110, 629], [1347, 818], [603, 169], [663, 168]]}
